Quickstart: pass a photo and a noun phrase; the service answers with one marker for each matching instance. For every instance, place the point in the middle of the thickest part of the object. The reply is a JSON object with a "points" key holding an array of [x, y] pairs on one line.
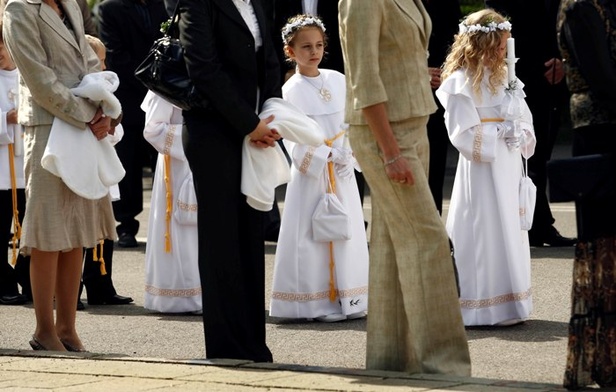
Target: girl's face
{"points": [[6, 62], [502, 48], [307, 50]]}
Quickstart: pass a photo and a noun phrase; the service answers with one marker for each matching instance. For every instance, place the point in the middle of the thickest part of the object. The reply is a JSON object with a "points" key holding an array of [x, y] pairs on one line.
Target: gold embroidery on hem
{"points": [[184, 293], [323, 295], [499, 300]]}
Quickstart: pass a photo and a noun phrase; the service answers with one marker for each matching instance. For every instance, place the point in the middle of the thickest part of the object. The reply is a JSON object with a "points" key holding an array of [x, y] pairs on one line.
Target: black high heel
{"points": [[36, 345]]}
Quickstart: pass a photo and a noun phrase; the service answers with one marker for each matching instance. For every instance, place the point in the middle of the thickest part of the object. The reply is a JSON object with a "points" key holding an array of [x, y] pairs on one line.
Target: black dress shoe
{"points": [[113, 300], [554, 239], [127, 240], [80, 305], [13, 299]]}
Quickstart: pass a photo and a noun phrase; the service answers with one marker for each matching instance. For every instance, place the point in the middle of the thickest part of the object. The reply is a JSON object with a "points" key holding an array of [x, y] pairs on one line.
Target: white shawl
{"points": [[264, 169], [86, 165]]}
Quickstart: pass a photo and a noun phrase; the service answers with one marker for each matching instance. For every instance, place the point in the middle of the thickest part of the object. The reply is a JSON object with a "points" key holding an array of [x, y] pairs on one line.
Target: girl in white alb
{"points": [[492, 252], [323, 280], [172, 282]]}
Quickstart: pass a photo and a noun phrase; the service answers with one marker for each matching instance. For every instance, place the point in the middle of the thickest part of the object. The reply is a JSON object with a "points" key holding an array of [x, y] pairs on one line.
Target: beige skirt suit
{"points": [[52, 56]]}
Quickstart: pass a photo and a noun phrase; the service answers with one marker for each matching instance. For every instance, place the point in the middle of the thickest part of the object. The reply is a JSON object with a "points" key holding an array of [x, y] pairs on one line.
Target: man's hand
{"points": [[263, 136], [555, 72]]}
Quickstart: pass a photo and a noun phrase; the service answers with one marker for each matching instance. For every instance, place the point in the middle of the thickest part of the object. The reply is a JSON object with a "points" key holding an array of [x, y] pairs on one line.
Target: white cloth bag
{"points": [[528, 197]]}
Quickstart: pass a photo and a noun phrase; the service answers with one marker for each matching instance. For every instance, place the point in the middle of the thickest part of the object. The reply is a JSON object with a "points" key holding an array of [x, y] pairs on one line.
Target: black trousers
{"points": [[98, 285], [231, 245], [439, 145], [134, 153], [546, 120], [9, 276]]}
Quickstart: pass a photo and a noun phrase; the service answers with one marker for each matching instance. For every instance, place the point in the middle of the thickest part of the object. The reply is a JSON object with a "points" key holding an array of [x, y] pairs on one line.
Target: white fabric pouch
{"points": [[330, 220], [185, 212], [528, 198]]}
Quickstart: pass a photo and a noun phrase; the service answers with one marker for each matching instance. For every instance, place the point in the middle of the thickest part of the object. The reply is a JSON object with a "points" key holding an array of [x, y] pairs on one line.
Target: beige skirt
{"points": [[57, 219]]}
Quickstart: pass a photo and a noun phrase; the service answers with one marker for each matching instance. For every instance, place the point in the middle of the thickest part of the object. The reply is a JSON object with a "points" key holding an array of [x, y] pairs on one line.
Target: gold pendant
{"points": [[325, 94]]}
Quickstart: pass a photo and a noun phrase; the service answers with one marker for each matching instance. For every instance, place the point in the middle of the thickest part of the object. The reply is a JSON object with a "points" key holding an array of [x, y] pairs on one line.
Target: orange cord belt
{"points": [[331, 188]]}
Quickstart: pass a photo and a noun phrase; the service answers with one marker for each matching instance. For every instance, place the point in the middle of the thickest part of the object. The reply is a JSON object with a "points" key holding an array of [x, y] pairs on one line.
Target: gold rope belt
{"points": [[16, 224], [331, 188]]}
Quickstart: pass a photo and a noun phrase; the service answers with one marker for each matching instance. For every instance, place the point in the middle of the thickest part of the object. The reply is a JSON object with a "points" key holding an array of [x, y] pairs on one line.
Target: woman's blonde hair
{"points": [[479, 49]]}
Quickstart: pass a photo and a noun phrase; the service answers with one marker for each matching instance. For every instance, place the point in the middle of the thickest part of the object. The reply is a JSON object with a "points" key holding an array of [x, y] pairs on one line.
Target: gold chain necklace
{"points": [[324, 93]]}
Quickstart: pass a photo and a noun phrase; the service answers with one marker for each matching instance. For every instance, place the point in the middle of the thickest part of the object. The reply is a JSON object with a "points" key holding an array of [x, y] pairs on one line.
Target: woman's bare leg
{"points": [[43, 273], [67, 291]]}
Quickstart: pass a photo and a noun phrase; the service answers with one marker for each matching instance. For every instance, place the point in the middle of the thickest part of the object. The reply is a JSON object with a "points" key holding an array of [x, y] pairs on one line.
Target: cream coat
{"points": [[381, 48], [48, 66]]}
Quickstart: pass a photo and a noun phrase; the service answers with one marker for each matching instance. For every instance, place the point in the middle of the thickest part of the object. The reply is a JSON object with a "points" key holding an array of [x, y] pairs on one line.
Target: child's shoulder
{"points": [[331, 74]]}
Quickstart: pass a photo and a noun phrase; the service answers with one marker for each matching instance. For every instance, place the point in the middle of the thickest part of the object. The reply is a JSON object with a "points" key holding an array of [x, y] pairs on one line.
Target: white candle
{"points": [[511, 60]]}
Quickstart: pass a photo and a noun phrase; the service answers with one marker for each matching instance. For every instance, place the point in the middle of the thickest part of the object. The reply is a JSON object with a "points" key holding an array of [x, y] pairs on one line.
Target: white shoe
{"points": [[509, 323], [331, 318], [357, 315]]}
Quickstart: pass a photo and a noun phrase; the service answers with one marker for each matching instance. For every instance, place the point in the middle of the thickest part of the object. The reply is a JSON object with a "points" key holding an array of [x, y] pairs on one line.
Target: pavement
{"points": [[133, 349]]}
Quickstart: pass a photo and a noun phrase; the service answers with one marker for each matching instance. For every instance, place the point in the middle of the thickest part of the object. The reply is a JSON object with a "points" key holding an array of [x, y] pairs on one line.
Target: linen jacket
{"points": [[50, 60], [385, 49]]}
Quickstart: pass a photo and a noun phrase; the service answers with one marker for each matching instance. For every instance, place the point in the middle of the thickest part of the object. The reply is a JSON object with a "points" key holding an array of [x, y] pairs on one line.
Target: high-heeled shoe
{"points": [[36, 345], [71, 348]]}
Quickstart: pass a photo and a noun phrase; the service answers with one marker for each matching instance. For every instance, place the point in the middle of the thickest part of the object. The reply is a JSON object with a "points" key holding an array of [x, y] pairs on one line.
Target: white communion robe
{"points": [[172, 283], [492, 252], [301, 270]]}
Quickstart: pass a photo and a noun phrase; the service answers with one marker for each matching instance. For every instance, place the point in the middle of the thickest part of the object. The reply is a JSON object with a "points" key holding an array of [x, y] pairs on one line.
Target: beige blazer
{"points": [[385, 49], [51, 60]]}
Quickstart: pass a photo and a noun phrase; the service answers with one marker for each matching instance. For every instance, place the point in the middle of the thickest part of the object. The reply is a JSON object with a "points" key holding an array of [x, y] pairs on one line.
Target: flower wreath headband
{"points": [[485, 28], [292, 27]]}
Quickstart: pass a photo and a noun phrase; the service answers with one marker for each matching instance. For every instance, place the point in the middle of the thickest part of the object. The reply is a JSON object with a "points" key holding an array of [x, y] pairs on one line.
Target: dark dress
{"points": [[588, 46]]}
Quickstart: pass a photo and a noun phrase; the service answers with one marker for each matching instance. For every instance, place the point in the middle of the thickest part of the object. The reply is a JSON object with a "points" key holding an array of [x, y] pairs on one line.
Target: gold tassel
{"points": [[332, 285], [16, 224], [169, 196], [101, 259], [331, 188]]}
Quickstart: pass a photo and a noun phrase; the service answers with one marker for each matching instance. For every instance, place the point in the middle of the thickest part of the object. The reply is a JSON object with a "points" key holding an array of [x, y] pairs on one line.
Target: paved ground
{"points": [[307, 355]]}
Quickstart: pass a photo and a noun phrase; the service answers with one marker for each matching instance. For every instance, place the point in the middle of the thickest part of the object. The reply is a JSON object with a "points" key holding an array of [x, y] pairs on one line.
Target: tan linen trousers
{"points": [[414, 319]]}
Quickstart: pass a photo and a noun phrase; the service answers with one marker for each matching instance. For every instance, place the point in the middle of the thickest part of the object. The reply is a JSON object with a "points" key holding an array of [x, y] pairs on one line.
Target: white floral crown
{"points": [[491, 26], [290, 28]]}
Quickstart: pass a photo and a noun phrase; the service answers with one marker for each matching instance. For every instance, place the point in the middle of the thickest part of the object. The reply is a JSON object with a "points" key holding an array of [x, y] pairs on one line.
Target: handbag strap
{"points": [[331, 181], [525, 167], [172, 30]]}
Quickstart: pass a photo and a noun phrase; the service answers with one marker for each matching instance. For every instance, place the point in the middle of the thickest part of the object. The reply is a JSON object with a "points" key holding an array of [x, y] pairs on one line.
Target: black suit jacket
{"points": [[128, 40], [445, 15], [327, 10], [220, 56], [534, 29]]}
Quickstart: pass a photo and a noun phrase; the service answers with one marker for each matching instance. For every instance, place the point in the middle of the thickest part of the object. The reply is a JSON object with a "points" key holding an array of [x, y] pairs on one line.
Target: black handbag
{"points": [[583, 178], [164, 71]]}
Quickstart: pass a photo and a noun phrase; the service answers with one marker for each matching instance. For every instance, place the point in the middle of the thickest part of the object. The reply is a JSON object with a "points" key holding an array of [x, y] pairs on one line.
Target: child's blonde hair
{"points": [[476, 47], [95, 43], [294, 25]]}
